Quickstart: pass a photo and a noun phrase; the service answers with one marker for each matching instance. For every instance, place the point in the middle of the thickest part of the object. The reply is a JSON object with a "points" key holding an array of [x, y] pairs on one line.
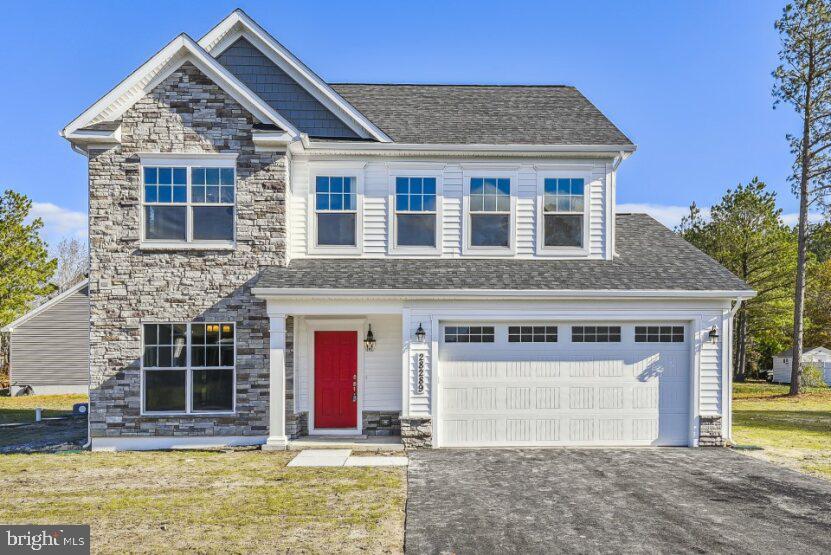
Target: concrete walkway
{"points": [[648, 500], [342, 457]]}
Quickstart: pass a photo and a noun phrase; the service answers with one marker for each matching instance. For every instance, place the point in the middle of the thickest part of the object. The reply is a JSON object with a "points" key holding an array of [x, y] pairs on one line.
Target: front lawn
{"points": [[791, 431], [22, 409], [207, 501]]}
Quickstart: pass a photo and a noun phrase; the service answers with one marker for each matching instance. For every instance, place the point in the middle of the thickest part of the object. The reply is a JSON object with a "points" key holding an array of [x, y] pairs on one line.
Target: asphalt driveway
{"points": [[612, 500]]}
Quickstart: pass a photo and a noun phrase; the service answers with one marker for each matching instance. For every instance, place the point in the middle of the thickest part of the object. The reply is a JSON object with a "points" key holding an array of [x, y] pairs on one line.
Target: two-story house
{"points": [[274, 256]]}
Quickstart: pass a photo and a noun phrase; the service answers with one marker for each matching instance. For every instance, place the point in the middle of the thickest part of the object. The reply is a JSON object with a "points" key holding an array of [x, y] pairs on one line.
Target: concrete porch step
{"points": [[356, 443]]}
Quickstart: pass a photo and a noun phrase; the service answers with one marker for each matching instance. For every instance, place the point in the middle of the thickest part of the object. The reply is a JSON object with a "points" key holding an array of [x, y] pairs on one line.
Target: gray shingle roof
{"points": [[651, 257], [483, 114]]}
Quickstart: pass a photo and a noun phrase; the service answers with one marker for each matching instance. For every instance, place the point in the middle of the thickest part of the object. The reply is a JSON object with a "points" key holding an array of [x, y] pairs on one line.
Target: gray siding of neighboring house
{"points": [[52, 348], [282, 92]]}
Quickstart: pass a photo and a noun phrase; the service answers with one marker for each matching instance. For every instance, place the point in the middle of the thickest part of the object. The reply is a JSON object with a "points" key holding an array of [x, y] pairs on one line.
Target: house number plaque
{"points": [[421, 372]]}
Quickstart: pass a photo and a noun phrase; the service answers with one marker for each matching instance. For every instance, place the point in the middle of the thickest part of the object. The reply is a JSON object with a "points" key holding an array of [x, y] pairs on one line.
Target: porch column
{"points": [[277, 439]]}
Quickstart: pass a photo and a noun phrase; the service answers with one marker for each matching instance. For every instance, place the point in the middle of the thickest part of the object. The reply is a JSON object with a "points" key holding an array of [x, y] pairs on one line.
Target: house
{"points": [[819, 356], [274, 256], [49, 345]]}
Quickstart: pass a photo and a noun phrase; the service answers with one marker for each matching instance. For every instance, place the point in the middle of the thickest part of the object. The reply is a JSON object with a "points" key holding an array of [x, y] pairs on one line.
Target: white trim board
{"points": [[167, 60], [45, 306], [239, 24]]}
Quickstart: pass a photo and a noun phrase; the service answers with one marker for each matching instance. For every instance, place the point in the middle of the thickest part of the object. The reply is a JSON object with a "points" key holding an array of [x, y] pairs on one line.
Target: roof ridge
{"points": [[501, 85]]}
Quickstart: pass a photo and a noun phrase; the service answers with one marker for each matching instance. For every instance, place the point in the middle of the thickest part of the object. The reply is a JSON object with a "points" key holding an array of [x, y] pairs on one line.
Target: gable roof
{"points": [[484, 114], [239, 24], [45, 306], [651, 260], [180, 50], [789, 352]]}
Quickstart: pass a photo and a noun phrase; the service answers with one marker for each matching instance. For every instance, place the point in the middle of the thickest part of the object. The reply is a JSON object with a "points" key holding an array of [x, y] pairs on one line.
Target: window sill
{"points": [[196, 246], [488, 251], [334, 250], [563, 251], [415, 251]]}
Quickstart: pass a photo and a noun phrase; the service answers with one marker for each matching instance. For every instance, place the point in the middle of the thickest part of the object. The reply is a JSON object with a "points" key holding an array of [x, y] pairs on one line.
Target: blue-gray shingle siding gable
{"points": [[281, 92]]}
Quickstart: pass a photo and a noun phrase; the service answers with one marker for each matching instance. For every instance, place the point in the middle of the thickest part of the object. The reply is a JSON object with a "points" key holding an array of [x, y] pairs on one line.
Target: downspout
{"points": [[612, 201]]}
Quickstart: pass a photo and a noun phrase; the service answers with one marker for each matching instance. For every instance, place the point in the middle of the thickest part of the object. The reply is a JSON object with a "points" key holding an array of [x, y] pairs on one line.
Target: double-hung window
{"points": [[563, 210], [490, 212], [188, 368], [188, 204], [415, 212], [336, 211]]}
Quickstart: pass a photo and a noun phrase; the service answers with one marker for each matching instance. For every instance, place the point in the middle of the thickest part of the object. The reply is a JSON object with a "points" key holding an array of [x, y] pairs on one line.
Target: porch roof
{"points": [[649, 258]]}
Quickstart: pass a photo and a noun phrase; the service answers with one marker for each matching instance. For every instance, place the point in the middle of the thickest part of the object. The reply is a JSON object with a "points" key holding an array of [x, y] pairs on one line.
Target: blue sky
{"points": [[688, 82]]}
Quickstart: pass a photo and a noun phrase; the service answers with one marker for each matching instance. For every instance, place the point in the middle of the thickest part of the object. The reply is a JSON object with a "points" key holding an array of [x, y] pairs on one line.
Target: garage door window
{"points": [[659, 334], [468, 334], [595, 334], [532, 334]]}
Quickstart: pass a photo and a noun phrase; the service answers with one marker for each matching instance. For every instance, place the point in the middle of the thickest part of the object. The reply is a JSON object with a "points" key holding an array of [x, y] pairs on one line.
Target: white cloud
{"points": [[59, 222], [667, 214], [670, 215]]}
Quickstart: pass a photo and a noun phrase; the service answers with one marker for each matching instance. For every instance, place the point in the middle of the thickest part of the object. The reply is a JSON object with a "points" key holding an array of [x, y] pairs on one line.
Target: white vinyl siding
{"points": [[381, 372], [377, 213]]}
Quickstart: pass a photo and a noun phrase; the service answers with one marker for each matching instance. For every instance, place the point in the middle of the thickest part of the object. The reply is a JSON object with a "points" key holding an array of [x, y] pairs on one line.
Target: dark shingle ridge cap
{"points": [[504, 85]]}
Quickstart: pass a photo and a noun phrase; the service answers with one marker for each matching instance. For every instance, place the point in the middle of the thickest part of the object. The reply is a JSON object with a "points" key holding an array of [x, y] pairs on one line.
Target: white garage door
{"points": [[563, 384]]}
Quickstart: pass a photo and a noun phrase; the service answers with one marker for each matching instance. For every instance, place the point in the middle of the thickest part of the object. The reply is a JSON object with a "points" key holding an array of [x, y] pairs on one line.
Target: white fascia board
{"points": [[266, 141], [272, 292], [178, 51], [238, 23], [306, 146], [45, 306]]}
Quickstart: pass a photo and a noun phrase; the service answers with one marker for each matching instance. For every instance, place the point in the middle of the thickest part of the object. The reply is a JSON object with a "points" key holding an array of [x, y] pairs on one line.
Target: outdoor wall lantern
{"points": [[714, 335], [369, 340], [420, 334]]}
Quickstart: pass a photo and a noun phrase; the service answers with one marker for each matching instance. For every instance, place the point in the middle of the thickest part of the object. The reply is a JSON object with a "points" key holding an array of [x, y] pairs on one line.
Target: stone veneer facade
{"points": [[130, 286], [710, 434]]}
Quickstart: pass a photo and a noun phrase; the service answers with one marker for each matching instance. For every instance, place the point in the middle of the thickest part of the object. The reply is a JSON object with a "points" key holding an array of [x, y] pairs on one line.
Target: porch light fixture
{"points": [[420, 334], [369, 340], [713, 335]]}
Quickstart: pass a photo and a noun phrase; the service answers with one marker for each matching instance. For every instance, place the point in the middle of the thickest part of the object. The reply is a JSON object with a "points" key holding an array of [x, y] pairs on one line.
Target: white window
{"points": [[188, 368], [488, 226], [416, 226], [188, 203], [562, 208], [335, 208]]}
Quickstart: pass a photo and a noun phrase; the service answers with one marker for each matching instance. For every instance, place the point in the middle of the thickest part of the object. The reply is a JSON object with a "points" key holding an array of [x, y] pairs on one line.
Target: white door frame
{"points": [[352, 324]]}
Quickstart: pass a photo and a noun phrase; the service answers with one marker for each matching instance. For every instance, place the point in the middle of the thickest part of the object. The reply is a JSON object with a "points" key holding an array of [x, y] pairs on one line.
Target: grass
{"points": [[791, 431], [22, 409], [207, 501]]}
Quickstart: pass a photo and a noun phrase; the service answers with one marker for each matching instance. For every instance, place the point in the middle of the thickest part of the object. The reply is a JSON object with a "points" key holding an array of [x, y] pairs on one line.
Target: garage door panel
{"points": [[568, 394]]}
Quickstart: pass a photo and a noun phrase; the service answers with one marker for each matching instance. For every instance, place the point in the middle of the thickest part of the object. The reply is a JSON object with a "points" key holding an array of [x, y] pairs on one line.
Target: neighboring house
{"points": [[819, 356], [50, 344], [250, 222]]}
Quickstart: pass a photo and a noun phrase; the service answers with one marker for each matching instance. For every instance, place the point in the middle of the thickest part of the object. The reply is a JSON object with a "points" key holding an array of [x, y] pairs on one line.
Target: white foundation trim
{"points": [[173, 442]]}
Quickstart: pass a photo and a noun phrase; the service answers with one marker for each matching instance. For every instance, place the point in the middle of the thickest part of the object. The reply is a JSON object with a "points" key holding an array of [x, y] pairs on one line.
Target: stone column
{"points": [[277, 439]]}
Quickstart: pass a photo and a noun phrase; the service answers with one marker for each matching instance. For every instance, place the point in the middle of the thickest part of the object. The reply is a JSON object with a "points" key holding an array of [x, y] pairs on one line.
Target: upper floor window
{"points": [[415, 211], [490, 212], [563, 212], [188, 204], [336, 208]]}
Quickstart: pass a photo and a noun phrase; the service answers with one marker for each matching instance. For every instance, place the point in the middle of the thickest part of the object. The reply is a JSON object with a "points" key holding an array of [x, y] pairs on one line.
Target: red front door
{"points": [[336, 379]]}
